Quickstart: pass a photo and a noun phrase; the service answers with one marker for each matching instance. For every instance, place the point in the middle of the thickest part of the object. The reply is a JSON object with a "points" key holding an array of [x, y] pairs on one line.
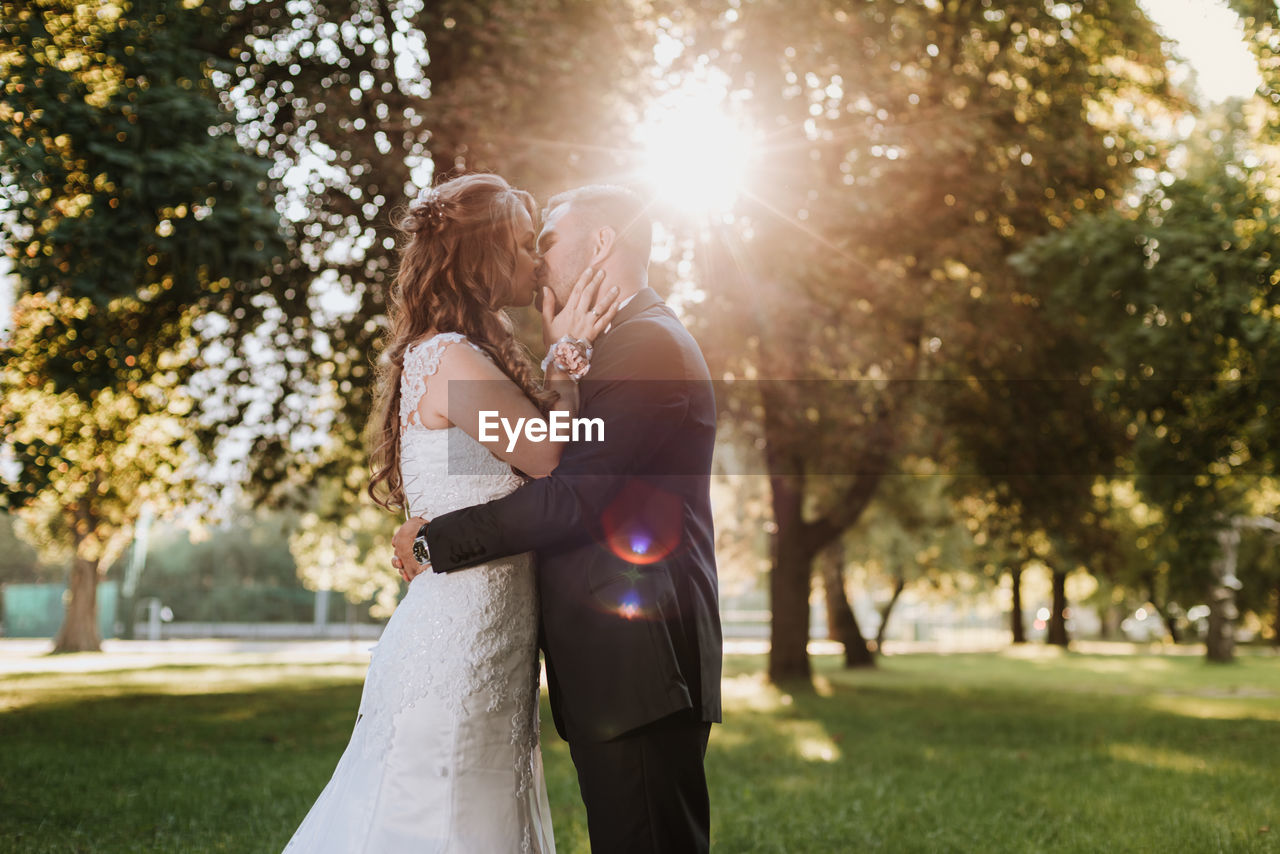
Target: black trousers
{"points": [[646, 790]]}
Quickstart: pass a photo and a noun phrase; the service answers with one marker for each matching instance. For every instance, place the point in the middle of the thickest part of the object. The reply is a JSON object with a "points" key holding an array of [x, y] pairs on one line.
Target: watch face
{"points": [[420, 551]]}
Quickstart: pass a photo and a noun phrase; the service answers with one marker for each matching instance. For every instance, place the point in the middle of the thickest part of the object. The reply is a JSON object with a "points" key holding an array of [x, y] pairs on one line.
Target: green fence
{"points": [[37, 610]]}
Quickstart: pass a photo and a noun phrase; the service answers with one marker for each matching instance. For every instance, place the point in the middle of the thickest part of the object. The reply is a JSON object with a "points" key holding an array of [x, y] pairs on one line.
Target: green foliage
{"points": [[19, 562], [910, 149], [915, 148], [123, 194], [132, 212], [363, 105], [915, 532], [1259, 567], [343, 543], [1179, 302], [129, 213], [1261, 19], [240, 571], [251, 549]]}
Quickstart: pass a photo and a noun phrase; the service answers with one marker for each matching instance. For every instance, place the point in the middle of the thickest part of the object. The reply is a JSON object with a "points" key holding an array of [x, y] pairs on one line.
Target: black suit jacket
{"points": [[623, 534]]}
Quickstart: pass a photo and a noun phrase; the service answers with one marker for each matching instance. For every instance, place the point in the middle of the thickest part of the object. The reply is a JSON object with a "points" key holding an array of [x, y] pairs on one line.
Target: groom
{"points": [[625, 561]]}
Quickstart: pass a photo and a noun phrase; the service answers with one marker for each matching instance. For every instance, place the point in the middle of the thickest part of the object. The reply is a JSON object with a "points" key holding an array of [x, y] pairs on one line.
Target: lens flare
{"points": [[629, 608], [643, 524]]}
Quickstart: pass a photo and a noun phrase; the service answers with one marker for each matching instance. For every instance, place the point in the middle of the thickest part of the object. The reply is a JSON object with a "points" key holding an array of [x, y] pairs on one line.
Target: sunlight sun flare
{"points": [[696, 157]]}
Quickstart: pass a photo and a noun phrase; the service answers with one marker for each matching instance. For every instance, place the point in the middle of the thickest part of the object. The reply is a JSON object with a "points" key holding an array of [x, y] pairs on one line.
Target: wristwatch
{"points": [[421, 553]]}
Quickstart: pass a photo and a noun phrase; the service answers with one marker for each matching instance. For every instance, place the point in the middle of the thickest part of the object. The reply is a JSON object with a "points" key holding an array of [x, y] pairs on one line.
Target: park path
{"points": [[30, 655]]}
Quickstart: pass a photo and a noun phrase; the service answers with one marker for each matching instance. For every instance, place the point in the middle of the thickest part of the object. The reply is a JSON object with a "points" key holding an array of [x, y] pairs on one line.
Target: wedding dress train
{"points": [[444, 757]]}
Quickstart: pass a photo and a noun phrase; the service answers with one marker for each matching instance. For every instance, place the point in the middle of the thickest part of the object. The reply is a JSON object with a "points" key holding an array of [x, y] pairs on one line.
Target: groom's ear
{"points": [[605, 241]]}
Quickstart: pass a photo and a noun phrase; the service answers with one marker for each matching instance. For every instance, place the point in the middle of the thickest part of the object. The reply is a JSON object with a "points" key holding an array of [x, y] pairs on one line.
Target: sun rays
{"points": [[695, 155]]}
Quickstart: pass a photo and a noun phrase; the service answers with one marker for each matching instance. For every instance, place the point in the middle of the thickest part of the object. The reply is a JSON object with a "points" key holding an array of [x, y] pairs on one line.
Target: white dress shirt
{"points": [[621, 306]]}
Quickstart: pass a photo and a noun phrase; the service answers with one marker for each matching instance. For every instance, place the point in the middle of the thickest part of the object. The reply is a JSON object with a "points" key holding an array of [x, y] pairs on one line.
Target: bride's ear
{"points": [[605, 241]]}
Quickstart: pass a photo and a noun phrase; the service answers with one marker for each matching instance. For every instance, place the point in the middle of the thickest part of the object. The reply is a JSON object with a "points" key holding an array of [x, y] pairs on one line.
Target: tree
{"points": [[911, 148], [909, 536], [238, 570], [1261, 20], [362, 103], [842, 622], [129, 214], [1259, 558], [341, 544], [1179, 295]]}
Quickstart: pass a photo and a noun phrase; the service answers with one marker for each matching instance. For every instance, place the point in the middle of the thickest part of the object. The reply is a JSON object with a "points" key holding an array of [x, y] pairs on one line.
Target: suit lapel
{"points": [[604, 363]]}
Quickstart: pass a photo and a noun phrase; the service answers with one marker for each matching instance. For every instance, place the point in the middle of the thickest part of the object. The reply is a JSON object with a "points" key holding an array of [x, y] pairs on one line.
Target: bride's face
{"points": [[525, 280]]}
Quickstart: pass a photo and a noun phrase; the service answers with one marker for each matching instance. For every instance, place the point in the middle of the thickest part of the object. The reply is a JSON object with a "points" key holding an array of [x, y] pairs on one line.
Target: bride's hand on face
{"points": [[587, 312]]}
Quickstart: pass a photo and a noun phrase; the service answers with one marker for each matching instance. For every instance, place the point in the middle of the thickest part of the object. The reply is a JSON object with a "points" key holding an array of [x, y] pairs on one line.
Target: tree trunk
{"points": [[831, 567], [898, 584], [1106, 628], [1058, 612], [1112, 617], [842, 625], [1016, 624], [79, 632], [1162, 608], [789, 583], [1220, 639], [797, 542], [1275, 624], [1219, 642], [857, 653], [1167, 616]]}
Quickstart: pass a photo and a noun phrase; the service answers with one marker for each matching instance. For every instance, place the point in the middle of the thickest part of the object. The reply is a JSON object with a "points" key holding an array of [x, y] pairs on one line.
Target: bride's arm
{"points": [[469, 391], [566, 387]]}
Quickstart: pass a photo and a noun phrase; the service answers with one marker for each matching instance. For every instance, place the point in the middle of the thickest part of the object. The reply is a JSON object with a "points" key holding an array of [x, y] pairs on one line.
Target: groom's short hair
{"points": [[617, 207]]}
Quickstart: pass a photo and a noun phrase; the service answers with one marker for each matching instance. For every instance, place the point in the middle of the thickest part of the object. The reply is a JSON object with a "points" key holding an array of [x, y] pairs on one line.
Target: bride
{"points": [[444, 755]]}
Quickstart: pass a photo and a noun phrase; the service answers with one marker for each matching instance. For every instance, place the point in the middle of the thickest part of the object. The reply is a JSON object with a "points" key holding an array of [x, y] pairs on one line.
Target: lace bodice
{"points": [[422, 360], [443, 469]]}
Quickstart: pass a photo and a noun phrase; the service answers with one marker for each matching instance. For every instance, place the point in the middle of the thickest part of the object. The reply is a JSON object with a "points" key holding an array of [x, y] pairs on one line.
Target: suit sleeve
{"points": [[639, 416]]}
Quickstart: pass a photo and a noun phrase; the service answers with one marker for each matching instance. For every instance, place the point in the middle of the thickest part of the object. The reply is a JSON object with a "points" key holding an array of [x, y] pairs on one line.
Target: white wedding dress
{"points": [[444, 756]]}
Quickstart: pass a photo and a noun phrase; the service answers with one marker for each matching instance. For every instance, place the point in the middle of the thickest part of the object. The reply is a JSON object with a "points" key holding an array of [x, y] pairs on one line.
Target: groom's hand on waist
{"points": [[405, 560]]}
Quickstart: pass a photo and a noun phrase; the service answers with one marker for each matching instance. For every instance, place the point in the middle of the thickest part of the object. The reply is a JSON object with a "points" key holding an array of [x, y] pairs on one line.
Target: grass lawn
{"points": [[981, 753]]}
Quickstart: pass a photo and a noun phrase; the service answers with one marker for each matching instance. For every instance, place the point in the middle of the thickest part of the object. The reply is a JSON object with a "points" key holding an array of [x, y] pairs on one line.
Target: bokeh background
{"points": [[989, 290]]}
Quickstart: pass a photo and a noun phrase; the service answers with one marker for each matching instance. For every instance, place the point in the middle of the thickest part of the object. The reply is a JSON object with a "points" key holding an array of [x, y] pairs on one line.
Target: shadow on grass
{"points": [[919, 755], [874, 762]]}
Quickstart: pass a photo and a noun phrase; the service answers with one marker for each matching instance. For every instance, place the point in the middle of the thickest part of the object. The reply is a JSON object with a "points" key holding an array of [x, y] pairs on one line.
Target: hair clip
{"points": [[429, 200]]}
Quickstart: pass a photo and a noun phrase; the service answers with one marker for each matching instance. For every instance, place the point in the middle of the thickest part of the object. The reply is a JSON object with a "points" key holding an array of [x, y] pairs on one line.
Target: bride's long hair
{"points": [[458, 258]]}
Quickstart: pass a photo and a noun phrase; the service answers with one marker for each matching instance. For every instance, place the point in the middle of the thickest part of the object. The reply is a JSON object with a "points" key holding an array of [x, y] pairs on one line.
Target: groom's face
{"points": [[565, 247]]}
